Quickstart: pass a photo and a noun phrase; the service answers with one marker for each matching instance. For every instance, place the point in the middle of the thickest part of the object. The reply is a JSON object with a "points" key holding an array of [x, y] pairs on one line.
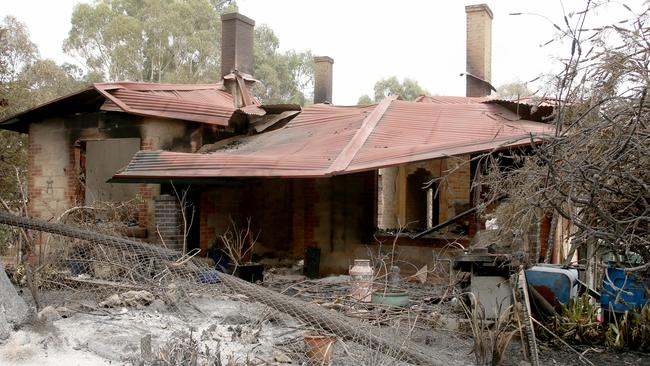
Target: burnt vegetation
{"points": [[594, 171]]}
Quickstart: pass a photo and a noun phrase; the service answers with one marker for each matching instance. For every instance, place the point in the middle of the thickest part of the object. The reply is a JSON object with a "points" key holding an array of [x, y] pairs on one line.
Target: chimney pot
{"points": [[479, 50], [323, 66], [237, 33]]}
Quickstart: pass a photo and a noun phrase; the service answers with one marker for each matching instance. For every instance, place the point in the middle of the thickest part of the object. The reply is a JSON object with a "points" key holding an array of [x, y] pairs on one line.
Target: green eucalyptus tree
{"points": [[285, 77], [409, 89], [150, 40], [178, 41]]}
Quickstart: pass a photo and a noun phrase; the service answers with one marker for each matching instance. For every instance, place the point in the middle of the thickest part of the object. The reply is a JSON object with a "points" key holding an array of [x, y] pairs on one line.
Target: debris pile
{"points": [[141, 271]]}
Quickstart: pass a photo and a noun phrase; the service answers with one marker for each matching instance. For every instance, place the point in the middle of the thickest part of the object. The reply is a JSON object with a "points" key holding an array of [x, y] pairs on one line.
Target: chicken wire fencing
{"points": [[101, 265]]}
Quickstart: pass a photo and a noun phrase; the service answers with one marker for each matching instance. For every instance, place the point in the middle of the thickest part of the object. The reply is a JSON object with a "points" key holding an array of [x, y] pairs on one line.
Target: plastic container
{"points": [[361, 280], [622, 292], [390, 297], [319, 348], [311, 269], [556, 284], [251, 272], [394, 278]]}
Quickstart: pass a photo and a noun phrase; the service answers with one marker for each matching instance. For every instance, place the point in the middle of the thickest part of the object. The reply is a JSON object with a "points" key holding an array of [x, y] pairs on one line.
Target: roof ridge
{"points": [[368, 125]]}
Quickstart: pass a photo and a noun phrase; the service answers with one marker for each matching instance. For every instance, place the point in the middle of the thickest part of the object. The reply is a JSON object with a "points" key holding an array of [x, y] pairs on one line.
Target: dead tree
{"points": [[595, 170]]}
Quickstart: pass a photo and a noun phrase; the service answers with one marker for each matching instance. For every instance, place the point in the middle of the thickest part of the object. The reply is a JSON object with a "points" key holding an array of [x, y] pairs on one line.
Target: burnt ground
{"points": [[557, 356], [561, 356], [77, 338], [458, 341]]}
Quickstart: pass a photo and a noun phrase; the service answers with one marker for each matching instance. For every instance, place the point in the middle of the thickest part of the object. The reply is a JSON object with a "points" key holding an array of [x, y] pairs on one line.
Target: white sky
{"points": [[373, 39]]}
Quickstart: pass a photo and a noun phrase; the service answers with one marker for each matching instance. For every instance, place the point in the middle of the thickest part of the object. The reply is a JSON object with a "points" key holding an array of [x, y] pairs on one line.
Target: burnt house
{"points": [[328, 179], [338, 179]]}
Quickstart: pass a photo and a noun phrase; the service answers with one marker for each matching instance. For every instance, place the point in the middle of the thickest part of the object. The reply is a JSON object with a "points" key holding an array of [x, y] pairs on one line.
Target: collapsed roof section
{"points": [[325, 140], [203, 103]]}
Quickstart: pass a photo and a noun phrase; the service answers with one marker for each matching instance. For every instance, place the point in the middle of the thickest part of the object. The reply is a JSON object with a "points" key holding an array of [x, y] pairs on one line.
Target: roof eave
{"points": [[19, 122]]}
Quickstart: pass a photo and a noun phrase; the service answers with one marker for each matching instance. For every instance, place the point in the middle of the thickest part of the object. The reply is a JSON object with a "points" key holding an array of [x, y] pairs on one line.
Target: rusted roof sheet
{"points": [[331, 140], [421, 131], [306, 146], [531, 108], [85, 100], [204, 103], [181, 105], [530, 101]]}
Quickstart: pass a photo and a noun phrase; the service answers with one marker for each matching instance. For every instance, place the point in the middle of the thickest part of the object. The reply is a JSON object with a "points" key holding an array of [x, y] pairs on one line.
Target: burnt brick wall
{"points": [[169, 221]]}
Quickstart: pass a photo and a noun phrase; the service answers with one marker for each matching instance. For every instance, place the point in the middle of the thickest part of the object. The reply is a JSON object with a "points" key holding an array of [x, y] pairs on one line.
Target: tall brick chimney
{"points": [[479, 50], [323, 79], [237, 33]]}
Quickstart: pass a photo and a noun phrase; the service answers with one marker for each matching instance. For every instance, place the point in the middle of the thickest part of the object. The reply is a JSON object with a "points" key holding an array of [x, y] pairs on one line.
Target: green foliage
{"points": [[632, 330], [153, 40], [409, 89], [178, 41], [16, 49], [285, 76], [578, 323], [364, 99]]}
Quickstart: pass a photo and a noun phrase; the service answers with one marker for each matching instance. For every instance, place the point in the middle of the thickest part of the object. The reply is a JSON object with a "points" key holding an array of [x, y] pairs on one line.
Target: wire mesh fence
{"points": [[102, 265]]}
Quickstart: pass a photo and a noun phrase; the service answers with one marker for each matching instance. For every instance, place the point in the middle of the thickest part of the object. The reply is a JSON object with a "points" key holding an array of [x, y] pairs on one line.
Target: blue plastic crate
{"points": [[623, 292]]}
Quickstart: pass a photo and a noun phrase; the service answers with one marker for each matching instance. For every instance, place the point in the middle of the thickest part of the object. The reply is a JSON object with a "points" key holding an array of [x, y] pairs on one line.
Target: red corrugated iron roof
{"points": [[420, 131], [181, 105], [330, 140], [533, 108], [304, 147], [204, 103]]}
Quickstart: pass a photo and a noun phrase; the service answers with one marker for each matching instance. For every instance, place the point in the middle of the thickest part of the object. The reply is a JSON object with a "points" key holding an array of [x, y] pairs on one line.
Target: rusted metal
{"points": [[203, 103], [178, 106], [353, 147], [534, 109], [411, 132], [330, 140]]}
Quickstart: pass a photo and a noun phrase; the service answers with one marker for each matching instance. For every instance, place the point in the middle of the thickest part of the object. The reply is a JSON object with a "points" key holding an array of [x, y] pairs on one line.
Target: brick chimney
{"points": [[479, 50], [323, 79], [237, 33]]}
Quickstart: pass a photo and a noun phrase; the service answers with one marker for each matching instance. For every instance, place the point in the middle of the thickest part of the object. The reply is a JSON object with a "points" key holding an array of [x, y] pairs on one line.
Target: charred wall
{"points": [[56, 156]]}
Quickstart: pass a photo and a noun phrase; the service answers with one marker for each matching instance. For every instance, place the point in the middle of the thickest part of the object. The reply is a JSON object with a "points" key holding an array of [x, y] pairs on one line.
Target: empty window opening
{"points": [[422, 204]]}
